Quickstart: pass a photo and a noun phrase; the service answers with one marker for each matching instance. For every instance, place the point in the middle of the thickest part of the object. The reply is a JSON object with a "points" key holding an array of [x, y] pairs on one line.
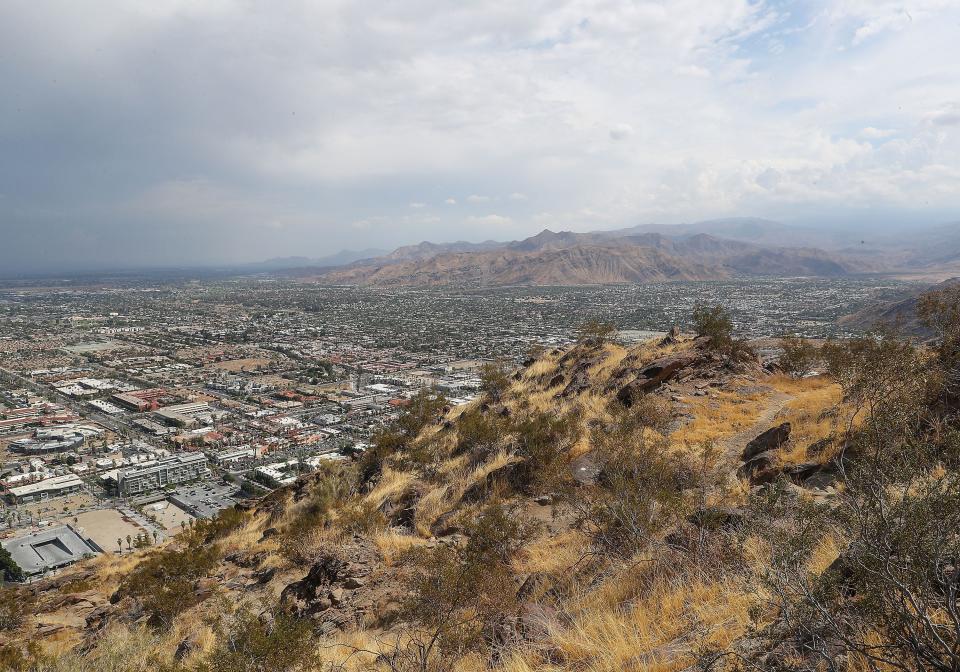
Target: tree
{"points": [[120, 545], [11, 570], [129, 539]]}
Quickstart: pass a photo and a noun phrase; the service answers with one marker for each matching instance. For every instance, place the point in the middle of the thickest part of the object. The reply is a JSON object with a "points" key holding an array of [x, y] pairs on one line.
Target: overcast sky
{"points": [[138, 132]]}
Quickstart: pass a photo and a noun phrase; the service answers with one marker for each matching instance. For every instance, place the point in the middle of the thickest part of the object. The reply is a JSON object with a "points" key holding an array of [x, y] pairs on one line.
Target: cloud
{"points": [[490, 221], [517, 196], [315, 114]]}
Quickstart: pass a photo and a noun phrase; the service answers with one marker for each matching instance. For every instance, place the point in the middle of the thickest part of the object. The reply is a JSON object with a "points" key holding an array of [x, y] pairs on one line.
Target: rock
{"points": [[655, 374], [819, 447], [204, 587], [446, 524], [798, 473], [337, 596], [771, 439], [585, 469], [354, 582], [672, 336], [556, 380], [758, 470], [512, 476], [265, 576]]}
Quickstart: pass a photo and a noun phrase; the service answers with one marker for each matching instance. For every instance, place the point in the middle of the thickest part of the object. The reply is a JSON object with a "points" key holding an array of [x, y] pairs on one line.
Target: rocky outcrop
{"points": [[771, 439], [655, 374]]}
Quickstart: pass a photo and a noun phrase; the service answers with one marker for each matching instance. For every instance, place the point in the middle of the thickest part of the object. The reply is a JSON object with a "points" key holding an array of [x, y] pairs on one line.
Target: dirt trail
{"points": [[732, 445]]}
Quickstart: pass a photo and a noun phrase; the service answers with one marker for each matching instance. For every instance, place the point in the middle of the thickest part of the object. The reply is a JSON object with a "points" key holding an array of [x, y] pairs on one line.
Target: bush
{"points": [[595, 332], [639, 492], [273, 641], [544, 441], [425, 408], [163, 584], [715, 323], [799, 357], [459, 595], [14, 606], [495, 380]]}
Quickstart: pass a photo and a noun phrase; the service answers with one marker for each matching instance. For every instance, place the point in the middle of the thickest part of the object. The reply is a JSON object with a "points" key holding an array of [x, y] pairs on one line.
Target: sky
{"points": [[189, 132]]}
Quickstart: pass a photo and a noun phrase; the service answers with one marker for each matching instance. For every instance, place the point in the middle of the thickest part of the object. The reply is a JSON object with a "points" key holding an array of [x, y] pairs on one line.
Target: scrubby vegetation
{"points": [[720, 516]]}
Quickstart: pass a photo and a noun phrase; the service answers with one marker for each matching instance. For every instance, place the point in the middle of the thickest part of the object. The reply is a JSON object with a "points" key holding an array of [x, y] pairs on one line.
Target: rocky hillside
{"points": [[674, 504]]}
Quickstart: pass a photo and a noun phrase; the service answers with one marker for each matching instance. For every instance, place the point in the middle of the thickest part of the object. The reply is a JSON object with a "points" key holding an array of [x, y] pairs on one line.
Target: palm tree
{"points": [[183, 525], [154, 537], [129, 539], [120, 544]]}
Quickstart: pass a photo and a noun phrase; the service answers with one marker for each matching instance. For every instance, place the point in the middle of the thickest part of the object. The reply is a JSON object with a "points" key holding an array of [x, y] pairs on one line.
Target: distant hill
{"points": [[341, 258], [898, 313], [567, 258]]}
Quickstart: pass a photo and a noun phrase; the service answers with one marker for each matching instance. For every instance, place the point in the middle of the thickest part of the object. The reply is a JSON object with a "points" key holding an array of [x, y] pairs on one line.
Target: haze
{"points": [[144, 133]]}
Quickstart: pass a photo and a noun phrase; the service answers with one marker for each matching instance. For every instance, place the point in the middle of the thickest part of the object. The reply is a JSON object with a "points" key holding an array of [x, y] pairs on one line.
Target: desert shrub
{"points": [[272, 641], [479, 434], [14, 606], [595, 332], [425, 408], [799, 357], [716, 323], [459, 595], [940, 312], [361, 517], [163, 585], [889, 601], [640, 489], [495, 380], [544, 440]]}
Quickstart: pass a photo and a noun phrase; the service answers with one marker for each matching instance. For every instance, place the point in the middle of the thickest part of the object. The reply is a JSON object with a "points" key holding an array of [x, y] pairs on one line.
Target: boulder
{"points": [[758, 470], [771, 439], [656, 373]]}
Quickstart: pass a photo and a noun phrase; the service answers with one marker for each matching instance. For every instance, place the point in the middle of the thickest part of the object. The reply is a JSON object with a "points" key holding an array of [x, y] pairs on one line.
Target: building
{"points": [[167, 471], [51, 549], [45, 489], [183, 415]]}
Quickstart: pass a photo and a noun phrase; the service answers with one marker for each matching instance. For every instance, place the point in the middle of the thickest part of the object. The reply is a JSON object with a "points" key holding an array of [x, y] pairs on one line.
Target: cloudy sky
{"points": [[141, 132]]}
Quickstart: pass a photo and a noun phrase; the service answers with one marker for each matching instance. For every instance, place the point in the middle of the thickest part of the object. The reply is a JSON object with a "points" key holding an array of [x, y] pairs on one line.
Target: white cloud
{"points": [[517, 196], [605, 112], [621, 132], [490, 221]]}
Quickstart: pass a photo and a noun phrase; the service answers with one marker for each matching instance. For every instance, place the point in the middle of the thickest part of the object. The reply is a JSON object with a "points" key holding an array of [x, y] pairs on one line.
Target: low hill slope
{"points": [[559, 510]]}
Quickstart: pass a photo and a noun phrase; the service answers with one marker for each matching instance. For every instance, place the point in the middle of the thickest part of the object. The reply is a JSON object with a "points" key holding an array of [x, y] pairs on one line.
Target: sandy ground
{"points": [[105, 527], [58, 506], [168, 515], [246, 364]]}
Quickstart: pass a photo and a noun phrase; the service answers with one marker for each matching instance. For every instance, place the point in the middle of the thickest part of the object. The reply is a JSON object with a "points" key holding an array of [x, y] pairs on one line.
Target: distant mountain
{"points": [[898, 312], [567, 258], [341, 258]]}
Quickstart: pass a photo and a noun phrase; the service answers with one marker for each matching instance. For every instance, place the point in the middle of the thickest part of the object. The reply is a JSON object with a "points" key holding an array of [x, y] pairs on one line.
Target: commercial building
{"points": [[167, 471], [45, 489], [53, 548]]}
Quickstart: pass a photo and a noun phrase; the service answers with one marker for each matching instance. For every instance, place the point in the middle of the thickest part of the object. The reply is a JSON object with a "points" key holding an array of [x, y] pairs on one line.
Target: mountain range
{"points": [[710, 250]]}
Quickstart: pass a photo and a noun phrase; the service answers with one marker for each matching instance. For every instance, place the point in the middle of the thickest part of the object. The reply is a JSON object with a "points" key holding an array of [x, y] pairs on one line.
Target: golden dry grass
{"points": [[392, 543], [721, 414]]}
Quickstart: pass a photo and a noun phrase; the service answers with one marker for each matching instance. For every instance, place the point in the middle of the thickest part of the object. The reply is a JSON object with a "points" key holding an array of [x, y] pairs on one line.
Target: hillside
{"points": [[898, 313], [673, 505], [567, 258]]}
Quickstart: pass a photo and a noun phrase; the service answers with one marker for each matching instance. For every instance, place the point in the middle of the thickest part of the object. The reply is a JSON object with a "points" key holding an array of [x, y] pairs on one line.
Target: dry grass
{"points": [[393, 543], [552, 554], [720, 415], [655, 631]]}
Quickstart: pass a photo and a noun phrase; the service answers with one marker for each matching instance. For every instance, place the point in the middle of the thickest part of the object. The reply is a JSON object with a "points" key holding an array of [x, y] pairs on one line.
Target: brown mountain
{"points": [[567, 258]]}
